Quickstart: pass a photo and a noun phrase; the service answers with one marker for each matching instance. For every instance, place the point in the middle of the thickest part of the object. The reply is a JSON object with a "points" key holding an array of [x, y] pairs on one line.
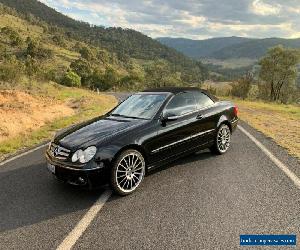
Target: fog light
{"points": [[81, 180]]}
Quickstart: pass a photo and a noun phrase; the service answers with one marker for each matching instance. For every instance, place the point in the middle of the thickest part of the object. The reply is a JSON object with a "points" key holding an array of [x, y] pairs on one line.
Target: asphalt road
{"points": [[199, 202]]}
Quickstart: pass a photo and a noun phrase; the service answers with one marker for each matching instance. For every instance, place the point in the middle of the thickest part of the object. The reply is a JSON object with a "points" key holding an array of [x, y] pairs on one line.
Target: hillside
{"points": [[228, 58], [225, 48], [125, 44], [198, 49], [253, 49]]}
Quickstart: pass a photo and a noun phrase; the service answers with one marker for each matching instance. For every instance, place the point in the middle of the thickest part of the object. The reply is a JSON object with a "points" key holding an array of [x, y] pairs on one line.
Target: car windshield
{"points": [[140, 106]]}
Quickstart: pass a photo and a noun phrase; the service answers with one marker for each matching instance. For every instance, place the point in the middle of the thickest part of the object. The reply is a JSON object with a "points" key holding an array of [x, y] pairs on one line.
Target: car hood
{"points": [[95, 131]]}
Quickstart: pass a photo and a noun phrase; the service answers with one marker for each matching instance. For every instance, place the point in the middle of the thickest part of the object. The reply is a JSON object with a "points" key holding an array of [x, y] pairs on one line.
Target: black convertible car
{"points": [[143, 132]]}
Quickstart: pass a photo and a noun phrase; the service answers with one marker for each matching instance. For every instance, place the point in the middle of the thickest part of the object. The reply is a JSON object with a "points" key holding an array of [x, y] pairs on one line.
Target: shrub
{"points": [[11, 70], [86, 53], [59, 40], [35, 50], [243, 86], [99, 81], [111, 77], [31, 66], [14, 37], [82, 68], [71, 79], [212, 90], [50, 75]]}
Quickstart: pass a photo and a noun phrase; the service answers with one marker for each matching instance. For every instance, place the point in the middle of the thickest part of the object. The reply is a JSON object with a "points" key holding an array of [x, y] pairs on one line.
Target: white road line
{"points": [[20, 155], [86, 220], [273, 158]]}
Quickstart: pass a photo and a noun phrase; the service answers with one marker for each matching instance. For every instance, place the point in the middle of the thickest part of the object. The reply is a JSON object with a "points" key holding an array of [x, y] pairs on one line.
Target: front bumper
{"points": [[88, 175]]}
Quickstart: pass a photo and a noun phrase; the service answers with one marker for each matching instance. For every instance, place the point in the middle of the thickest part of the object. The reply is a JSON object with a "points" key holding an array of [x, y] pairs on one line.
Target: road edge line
{"points": [[273, 158], [22, 154], [85, 221]]}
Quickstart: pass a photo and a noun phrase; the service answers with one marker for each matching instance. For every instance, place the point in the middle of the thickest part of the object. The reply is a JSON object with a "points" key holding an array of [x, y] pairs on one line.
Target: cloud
{"points": [[195, 19], [265, 9]]}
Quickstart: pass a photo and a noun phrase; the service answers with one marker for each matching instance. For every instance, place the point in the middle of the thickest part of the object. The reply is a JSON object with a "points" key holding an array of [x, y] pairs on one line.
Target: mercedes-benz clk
{"points": [[147, 130]]}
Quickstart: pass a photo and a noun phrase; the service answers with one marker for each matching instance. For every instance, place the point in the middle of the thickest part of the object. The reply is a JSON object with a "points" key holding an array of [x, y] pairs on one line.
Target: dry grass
{"points": [[278, 121], [30, 117], [232, 63], [22, 112], [20, 25]]}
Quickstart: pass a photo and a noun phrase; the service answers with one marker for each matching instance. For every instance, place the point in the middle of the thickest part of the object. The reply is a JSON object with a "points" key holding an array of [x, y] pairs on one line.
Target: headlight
{"points": [[84, 155]]}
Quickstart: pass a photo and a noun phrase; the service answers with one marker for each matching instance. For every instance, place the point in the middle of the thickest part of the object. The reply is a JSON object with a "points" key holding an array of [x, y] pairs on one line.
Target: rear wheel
{"points": [[222, 140], [128, 171]]}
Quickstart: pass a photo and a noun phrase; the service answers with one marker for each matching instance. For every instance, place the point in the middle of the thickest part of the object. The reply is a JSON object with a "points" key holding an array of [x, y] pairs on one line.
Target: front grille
{"points": [[59, 152]]}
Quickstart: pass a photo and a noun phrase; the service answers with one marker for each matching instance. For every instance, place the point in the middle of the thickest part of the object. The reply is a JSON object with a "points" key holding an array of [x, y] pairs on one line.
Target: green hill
{"points": [[227, 58], [225, 48], [124, 45], [201, 48], [253, 49], [44, 44]]}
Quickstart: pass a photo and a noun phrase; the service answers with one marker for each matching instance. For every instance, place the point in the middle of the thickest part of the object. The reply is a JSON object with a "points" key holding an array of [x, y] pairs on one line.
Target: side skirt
{"points": [[182, 154]]}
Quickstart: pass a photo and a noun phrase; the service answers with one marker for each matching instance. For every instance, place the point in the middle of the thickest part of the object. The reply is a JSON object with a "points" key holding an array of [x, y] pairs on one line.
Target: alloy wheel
{"points": [[130, 172], [223, 138]]}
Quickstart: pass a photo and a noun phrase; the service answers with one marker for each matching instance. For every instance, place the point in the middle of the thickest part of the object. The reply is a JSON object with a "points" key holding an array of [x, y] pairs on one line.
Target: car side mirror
{"points": [[169, 117]]}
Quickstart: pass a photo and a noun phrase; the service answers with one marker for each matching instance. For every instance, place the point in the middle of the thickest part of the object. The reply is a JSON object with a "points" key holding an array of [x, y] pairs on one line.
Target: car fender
{"points": [[109, 153], [224, 119]]}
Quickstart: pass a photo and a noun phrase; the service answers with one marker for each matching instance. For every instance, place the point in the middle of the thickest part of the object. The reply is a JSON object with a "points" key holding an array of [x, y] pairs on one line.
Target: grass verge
{"points": [[87, 104], [278, 121]]}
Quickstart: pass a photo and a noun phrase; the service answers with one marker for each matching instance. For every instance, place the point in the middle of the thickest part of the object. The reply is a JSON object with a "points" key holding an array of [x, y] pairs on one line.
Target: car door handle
{"points": [[199, 117]]}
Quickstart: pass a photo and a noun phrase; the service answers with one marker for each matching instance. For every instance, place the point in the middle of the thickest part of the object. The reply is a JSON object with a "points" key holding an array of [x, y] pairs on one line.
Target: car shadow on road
{"points": [[181, 162], [31, 195], [201, 155]]}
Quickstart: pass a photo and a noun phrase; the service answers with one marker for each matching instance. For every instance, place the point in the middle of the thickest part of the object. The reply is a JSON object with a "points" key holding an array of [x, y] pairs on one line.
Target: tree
{"points": [[82, 68], [31, 66], [35, 50], [103, 56], [86, 53], [278, 72], [194, 75], [157, 73], [110, 77], [243, 86], [31, 47], [71, 79], [97, 81], [129, 81]]}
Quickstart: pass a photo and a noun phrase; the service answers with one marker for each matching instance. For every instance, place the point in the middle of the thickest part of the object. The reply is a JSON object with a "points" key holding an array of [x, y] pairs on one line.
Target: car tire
{"points": [[222, 140], [127, 172]]}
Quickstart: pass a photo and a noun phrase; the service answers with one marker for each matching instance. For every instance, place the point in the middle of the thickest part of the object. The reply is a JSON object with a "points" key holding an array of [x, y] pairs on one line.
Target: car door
{"points": [[174, 135], [203, 127]]}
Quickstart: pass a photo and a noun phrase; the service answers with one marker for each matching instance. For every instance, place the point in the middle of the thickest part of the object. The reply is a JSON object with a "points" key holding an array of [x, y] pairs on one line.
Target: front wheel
{"points": [[222, 140], [128, 171]]}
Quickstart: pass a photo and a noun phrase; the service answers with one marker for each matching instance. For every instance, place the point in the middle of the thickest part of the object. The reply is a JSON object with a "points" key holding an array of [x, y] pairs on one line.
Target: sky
{"points": [[194, 19]]}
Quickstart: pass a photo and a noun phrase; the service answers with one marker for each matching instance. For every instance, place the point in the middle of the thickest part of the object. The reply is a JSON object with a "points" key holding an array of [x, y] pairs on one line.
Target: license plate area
{"points": [[51, 168]]}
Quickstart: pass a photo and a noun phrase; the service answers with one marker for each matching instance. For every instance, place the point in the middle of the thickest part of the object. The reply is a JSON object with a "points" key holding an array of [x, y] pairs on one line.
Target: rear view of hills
{"points": [[133, 57], [228, 58], [227, 47]]}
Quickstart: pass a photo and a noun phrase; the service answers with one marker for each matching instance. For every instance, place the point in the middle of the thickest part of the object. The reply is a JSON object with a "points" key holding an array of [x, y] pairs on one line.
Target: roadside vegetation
{"points": [[281, 122], [270, 99], [32, 115]]}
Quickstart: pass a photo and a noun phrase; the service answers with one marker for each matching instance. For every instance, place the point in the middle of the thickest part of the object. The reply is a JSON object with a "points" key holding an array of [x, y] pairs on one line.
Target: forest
{"points": [[43, 44]]}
